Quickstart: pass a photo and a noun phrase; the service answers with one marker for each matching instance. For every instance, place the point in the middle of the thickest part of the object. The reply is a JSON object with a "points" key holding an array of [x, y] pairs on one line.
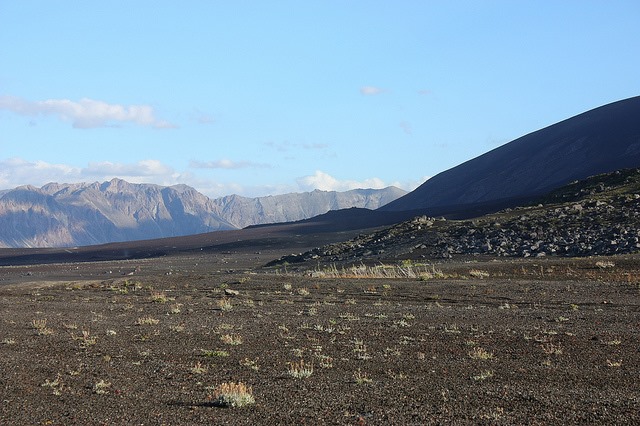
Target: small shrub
{"points": [[224, 304], [233, 395], [198, 368], [40, 326], [605, 264], [614, 364], [101, 388], [476, 273], [210, 353], [251, 363], [300, 370], [55, 385], [361, 378], [325, 361], [86, 339], [480, 353], [231, 339], [483, 375], [147, 321], [159, 297]]}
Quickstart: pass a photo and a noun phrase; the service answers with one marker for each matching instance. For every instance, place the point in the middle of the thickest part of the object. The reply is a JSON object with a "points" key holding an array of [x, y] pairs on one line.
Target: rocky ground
{"points": [[532, 341]]}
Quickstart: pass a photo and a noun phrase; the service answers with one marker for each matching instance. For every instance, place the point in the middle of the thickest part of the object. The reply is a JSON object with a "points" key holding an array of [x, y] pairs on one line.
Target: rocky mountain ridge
{"points": [[243, 211], [597, 216], [68, 215]]}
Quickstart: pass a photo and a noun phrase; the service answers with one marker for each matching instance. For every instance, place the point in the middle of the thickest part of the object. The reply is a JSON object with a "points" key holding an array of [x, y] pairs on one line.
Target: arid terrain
{"points": [[475, 340], [485, 321]]}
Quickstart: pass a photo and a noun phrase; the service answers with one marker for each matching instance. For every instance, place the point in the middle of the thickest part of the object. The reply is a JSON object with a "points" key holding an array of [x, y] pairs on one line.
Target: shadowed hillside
{"points": [[602, 140]]}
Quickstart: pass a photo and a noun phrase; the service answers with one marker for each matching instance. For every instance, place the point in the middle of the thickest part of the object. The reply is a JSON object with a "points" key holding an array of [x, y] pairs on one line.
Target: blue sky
{"points": [[269, 97]]}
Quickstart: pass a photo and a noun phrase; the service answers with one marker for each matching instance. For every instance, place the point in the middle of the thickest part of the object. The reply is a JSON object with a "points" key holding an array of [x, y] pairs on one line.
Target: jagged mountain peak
{"points": [[60, 214]]}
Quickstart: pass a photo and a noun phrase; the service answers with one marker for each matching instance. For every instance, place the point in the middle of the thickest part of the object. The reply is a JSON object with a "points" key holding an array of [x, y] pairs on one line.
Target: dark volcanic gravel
{"points": [[525, 344]]}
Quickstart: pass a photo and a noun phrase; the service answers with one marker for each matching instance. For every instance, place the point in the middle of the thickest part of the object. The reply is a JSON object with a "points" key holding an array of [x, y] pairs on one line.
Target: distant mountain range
{"points": [[602, 140], [68, 215]]}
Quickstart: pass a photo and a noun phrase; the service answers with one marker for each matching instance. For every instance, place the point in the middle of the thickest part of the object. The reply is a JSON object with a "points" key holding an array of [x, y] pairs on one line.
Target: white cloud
{"points": [[133, 171], [371, 90], [225, 164], [325, 182], [17, 171], [85, 113]]}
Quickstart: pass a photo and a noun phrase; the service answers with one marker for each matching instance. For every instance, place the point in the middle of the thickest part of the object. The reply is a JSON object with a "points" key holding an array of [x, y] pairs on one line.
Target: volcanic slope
{"points": [[601, 140]]}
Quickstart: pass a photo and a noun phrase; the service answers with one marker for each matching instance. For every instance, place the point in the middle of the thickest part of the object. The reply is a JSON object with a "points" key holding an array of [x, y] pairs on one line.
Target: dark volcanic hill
{"points": [[68, 215], [602, 140]]}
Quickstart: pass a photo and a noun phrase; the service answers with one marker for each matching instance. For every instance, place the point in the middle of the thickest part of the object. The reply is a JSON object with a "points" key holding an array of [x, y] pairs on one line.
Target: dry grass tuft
{"points": [[234, 395], [300, 370]]}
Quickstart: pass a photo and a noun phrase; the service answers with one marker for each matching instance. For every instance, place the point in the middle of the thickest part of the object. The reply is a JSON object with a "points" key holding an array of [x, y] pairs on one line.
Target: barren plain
{"points": [[463, 341]]}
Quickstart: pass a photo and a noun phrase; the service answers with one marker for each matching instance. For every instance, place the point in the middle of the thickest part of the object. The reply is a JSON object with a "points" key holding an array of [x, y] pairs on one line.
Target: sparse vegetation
{"points": [[147, 321], [300, 370], [216, 353], [427, 344], [224, 304], [480, 353], [361, 378], [477, 273], [234, 395], [40, 326], [199, 368], [101, 387], [231, 339], [605, 264], [483, 375]]}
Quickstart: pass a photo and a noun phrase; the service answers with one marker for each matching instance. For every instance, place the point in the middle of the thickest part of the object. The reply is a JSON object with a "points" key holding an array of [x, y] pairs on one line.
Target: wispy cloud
{"points": [[325, 182], [140, 169], [203, 118], [286, 146], [315, 145], [226, 164], [17, 171], [424, 92], [86, 113], [371, 90], [406, 127]]}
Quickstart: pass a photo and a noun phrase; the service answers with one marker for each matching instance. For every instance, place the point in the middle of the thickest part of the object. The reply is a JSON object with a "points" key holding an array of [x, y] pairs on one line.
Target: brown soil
{"points": [[534, 342]]}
